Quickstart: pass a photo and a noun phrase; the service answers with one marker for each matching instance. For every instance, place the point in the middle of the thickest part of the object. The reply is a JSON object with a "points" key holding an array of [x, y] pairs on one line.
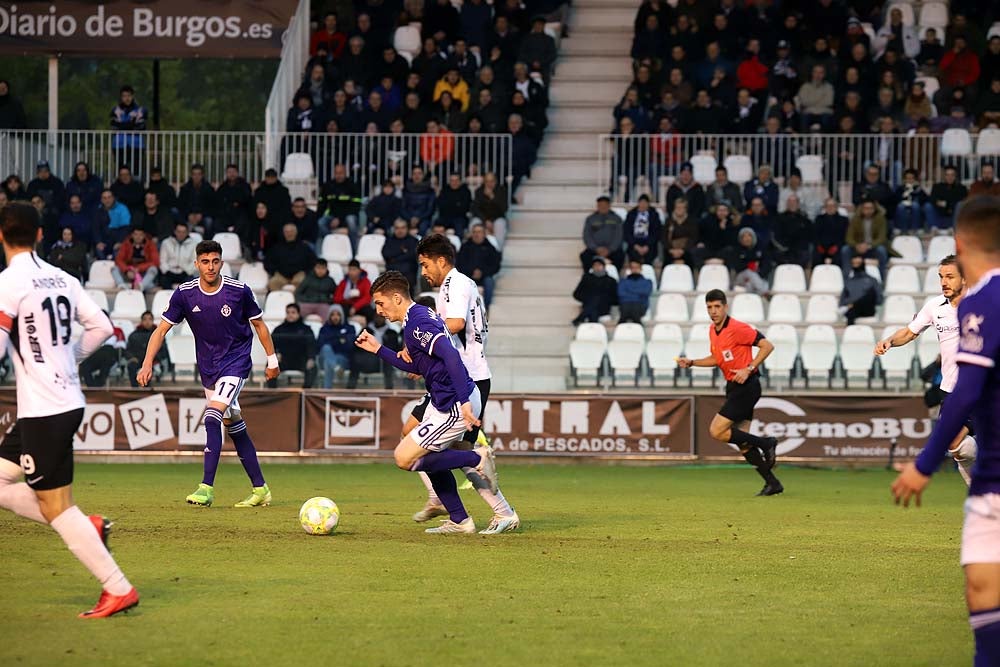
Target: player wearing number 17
{"points": [[221, 312]]}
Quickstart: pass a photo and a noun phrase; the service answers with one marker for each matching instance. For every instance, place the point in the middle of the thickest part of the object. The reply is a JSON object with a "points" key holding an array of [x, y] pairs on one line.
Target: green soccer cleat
{"points": [[260, 496], [203, 495]]}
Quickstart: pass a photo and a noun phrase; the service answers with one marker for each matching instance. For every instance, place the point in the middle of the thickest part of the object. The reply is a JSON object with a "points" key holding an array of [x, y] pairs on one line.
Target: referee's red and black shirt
{"points": [[731, 345]]}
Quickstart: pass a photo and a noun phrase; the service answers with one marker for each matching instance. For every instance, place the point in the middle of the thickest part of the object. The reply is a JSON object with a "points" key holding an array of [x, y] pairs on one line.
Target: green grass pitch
{"points": [[614, 566]]}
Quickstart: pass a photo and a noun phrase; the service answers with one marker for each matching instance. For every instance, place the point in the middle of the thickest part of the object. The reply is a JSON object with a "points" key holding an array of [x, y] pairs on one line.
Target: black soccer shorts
{"points": [[10, 446], [47, 449], [741, 400], [470, 436]]}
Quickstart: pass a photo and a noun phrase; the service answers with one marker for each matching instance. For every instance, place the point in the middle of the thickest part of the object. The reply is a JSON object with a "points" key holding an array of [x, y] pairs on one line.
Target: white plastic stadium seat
{"points": [[956, 143], [856, 352], [781, 362], [370, 248], [939, 248], [671, 308], [898, 309], [902, 279], [698, 346], [372, 269], [274, 306], [182, 356], [811, 167], [100, 275], [227, 270], [703, 168], [407, 40], [928, 347], [739, 168], [337, 249], [818, 351], [100, 298], [827, 279], [129, 304], [255, 276], [127, 327], [994, 30], [788, 278], [785, 308], [625, 351], [676, 278], [934, 15], [665, 345], [586, 352], [931, 83], [988, 142], [910, 249], [160, 302], [298, 166], [872, 270], [748, 308], [699, 312], [822, 309], [611, 270], [897, 362], [231, 248], [932, 283], [713, 276], [907, 10]]}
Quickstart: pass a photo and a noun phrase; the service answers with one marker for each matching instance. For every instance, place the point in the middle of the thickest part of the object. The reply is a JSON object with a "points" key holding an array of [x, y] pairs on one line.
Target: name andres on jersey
{"points": [[53, 282]]}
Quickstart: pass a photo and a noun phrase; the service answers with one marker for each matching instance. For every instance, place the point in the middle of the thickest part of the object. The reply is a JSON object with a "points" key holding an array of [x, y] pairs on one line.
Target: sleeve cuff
{"points": [[430, 347], [257, 316], [167, 319], [975, 359], [6, 322]]}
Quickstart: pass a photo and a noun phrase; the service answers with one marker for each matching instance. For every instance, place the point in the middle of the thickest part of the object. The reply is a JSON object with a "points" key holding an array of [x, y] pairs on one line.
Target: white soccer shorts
{"points": [[227, 391], [981, 531], [440, 430]]}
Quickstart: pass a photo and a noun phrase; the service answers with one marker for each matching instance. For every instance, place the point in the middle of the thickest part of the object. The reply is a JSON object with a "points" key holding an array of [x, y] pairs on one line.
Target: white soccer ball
{"points": [[319, 516]]}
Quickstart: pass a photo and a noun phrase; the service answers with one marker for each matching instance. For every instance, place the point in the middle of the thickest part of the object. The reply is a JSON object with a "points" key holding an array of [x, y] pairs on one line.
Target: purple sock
{"points": [[449, 459], [986, 626], [447, 492], [247, 452], [213, 444]]}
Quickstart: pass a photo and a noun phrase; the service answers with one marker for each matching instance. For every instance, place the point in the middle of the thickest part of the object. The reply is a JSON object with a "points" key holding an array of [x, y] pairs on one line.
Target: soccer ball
{"points": [[319, 516]]}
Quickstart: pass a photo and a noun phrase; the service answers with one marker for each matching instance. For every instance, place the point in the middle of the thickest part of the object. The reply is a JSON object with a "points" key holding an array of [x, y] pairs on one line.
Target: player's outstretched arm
{"points": [[272, 371], [369, 343], [898, 339], [145, 373], [704, 362]]}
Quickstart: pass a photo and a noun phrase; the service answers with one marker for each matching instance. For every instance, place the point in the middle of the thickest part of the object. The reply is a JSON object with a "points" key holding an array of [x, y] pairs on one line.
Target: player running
{"points": [[977, 393], [731, 343], [38, 304], [942, 314], [460, 306], [454, 400], [221, 312]]}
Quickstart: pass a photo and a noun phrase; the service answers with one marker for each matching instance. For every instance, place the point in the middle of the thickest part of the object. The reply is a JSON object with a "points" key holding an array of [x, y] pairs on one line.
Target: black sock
{"points": [[741, 438], [756, 458]]}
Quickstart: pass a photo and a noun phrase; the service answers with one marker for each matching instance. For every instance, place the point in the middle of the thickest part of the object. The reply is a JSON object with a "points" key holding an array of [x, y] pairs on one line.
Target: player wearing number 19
{"points": [[221, 312], [38, 304]]}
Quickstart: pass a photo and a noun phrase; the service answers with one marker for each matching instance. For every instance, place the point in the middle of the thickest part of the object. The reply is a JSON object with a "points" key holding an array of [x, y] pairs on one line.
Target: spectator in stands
{"points": [[418, 201], [319, 89], [11, 111], [861, 291], [643, 228], [69, 254], [810, 197], [78, 220], [917, 106], [361, 362], [84, 184], [762, 186], [603, 234], [829, 234], [330, 35], [686, 187], [113, 224], [931, 50], [274, 194], [791, 234], [944, 200], [634, 290], [437, 145], [383, 209], [48, 221], [959, 65], [295, 345], [336, 345], [596, 292], [745, 115], [751, 262], [986, 184], [489, 207], [989, 63], [128, 191], [524, 152], [135, 348], [631, 107], [49, 188], [910, 204], [783, 75], [538, 49], [761, 219], [136, 262], [723, 190], [177, 257], [163, 190], [198, 193], [339, 205], [885, 107], [680, 235], [489, 112], [301, 116], [288, 261], [705, 117], [354, 292], [867, 235], [235, 200], [474, 20], [14, 187], [874, 188], [894, 33], [480, 260], [751, 73], [717, 235], [400, 251], [665, 149], [305, 219], [453, 83], [453, 205], [94, 370], [129, 117], [315, 293]]}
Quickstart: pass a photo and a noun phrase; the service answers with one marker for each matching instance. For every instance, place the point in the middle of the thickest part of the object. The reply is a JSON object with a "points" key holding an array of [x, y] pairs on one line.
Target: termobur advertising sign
{"points": [[146, 28]]}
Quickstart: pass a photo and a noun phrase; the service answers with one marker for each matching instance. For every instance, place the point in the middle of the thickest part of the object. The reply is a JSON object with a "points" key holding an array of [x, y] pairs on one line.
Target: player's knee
{"points": [[718, 431], [403, 460]]}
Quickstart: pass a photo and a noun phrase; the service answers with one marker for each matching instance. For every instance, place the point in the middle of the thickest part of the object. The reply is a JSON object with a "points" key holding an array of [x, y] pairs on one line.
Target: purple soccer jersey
{"points": [[423, 330], [220, 322]]}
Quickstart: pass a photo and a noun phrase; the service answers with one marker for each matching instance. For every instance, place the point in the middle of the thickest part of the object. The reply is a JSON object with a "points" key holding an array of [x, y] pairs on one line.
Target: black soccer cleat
{"points": [[103, 527], [771, 489], [770, 451]]}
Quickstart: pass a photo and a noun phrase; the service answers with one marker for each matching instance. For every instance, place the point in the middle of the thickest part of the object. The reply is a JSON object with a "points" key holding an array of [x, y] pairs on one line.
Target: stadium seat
{"points": [[127, 326], [676, 278], [586, 352], [897, 363], [934, 15], [818, 351], [928, 347], [939, 248], [101, 298], [337, 248], [160, 301], [649, 273], [671, 308], [336, 271], [130, 304], [907, 10], [298, 166], [811, 167], [898, 309], [370, 249], [227, 270], [696, 347], [372, 269], [910, 249], [785, 308], [699, 313], [748, 308], [713, 276], [931, 83], [826, 279], [100, 275], [703, 168], [664, 346], [822, 309], [231, 247], [780, 365], [872, 270], [788, 278], [182, 356], [254, 275], [274, 306], [455, 241], [856, 352], [932, 283], [988, 142], [625, 351], [956, 143], [902, 279], [994, 30], [258, 359], [739, 168], [611, 270], [407, 40]]}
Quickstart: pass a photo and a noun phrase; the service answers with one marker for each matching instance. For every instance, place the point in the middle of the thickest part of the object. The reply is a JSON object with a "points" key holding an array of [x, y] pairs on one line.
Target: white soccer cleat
{"points": [[430, 511], [502, 524], [449, 527], [487, 467], [966, 450]]}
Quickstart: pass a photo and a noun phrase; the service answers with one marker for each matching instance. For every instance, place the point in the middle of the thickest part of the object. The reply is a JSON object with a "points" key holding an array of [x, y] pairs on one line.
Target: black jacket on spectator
{"points": [[879, 192], [277, 199], [339, 199], [382, 210], [694, 195], [454, 204], [829, 234], [475, 23], [701, 120], [289, 258], [71, 258], [11, 112], [203, 197], [159, 225], [482, 256], [131, 195], [790, 237], [234, 202], [440, 17], [490, 208], [295, 342], [400, 254], [523, 155], [163, 190], [308, 225], [53, 193], [645, 231], [601, 291], [949, 195]]}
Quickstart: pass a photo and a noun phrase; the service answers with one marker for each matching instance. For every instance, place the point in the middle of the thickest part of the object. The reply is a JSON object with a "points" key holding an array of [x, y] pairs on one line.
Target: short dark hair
{"points": [[146, 312], [295, 306], [911, 170], [320, 262], [980, 217], [232, 166], [433, 246], [198, 166], [126, 89], [19, 224], [207, 248], [949, 260], [391, 282], [427, 301], [715, 295]]}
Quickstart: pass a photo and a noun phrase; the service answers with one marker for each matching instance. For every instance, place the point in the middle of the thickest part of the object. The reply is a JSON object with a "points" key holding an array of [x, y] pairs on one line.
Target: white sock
{"points": [[496, 501], [17, 496], [79, 535], [432, 496]]}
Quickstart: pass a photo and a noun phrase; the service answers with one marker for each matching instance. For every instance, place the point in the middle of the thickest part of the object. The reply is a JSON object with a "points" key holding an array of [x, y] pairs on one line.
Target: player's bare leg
{"points": [[16, 495], [433, 507], [760, 456]]}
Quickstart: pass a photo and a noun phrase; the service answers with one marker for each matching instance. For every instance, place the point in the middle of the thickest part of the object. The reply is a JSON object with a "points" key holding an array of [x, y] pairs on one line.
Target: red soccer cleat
{"points": [[103, 527], [110, 604]]}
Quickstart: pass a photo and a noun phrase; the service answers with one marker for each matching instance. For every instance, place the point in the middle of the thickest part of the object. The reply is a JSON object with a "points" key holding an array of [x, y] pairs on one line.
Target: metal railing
{"points": [[287, 80], [629, 166]]}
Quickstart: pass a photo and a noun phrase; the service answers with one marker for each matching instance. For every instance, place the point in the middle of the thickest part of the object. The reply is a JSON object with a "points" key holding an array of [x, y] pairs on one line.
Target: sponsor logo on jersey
{"points": [[226, 310], [971, 340], [422, 337]]}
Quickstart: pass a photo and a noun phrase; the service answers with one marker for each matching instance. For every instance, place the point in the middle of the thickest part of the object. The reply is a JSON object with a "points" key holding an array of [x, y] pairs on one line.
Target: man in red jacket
{"points": [[354, 293], [959, 66], [330, 35], [136, 262]]}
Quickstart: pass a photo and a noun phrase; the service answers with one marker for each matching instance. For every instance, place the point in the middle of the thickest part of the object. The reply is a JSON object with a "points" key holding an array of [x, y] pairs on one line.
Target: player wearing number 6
{"points": [[38, 304], [221, 312]]}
